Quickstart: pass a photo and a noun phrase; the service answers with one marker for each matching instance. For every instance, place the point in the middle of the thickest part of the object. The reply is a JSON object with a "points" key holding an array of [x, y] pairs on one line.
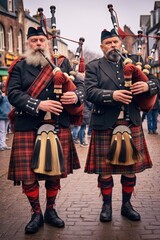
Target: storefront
{"points": [[3, 73]]}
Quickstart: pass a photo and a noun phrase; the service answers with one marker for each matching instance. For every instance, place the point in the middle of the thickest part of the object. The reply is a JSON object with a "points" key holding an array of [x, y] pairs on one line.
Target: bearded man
{"points": [[30, 71], [114, 105]]}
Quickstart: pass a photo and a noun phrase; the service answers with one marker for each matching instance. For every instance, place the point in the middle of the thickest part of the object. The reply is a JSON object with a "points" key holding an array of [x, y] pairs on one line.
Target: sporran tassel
{"points": [[111, 152], [55, 157], [135, 154], [122, 154], [35, 159], [60, 154], [48, 158]]}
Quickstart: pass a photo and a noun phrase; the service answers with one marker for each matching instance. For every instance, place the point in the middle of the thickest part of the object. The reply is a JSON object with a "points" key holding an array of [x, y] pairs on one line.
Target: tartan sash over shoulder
{"points": [[41, 81]]}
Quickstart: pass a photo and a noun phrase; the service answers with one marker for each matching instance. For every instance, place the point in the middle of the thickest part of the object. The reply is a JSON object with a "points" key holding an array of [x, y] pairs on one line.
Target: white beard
{"points": [[35, 58]]}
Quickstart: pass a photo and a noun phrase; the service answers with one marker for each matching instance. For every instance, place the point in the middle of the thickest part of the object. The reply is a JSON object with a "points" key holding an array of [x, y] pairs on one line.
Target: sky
{"points": [[87, 18]]}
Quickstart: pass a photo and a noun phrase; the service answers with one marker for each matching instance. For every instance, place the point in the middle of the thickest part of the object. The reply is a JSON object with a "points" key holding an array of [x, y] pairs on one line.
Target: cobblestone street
{"points": [[79, 204]]}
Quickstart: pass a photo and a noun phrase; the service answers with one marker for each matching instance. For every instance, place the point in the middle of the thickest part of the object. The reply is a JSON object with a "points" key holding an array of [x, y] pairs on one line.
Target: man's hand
{"points": [[139, 87], [51, 106], [123, 96], [69, 98]]}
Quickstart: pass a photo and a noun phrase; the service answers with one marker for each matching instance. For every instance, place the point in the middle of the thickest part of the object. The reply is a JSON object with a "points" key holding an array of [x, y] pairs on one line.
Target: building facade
{"points": [[154, 30], [11, 33], [150, 25], [14, 24]]}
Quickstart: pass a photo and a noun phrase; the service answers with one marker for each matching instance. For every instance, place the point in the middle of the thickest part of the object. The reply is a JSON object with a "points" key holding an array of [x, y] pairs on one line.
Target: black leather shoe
{"points": [[128, 212], [106, 213], [52, 218], [35, 223]]}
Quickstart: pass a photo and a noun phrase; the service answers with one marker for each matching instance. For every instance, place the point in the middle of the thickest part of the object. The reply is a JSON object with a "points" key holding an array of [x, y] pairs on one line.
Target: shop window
{"points": [[10, 40]]}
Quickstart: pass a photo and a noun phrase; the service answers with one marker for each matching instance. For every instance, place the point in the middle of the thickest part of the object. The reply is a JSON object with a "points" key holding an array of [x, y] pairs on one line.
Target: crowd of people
{"points": [[106, 104]]}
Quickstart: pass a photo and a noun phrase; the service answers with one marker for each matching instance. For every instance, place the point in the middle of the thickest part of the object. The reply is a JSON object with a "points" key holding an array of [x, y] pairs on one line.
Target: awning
{"points": [[3, 72]]}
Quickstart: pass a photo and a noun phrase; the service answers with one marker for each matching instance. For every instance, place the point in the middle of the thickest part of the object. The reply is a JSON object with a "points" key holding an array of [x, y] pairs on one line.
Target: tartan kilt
{"points": [[99, 146], [22, 152]]}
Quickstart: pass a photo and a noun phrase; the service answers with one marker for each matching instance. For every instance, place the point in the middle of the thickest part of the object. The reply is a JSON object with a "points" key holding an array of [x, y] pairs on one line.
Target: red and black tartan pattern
{"points": [[99, 146], [22, 151], [41, 81]]}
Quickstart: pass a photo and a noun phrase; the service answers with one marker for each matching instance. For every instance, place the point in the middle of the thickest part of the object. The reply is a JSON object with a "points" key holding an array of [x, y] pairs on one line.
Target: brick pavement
{"points": [[79, 204]]}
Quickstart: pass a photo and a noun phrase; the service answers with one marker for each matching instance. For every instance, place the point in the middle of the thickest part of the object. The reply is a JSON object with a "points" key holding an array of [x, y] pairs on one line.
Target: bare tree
{"points": [[88, 55]]}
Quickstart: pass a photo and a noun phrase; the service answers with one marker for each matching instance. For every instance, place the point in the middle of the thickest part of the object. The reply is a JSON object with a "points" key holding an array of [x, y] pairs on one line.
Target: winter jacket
{"points": [[5, 107]]}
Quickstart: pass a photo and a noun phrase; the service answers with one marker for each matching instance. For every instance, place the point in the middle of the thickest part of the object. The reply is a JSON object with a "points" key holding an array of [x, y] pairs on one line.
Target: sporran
{"points": [[48, 156], [122, 150]]}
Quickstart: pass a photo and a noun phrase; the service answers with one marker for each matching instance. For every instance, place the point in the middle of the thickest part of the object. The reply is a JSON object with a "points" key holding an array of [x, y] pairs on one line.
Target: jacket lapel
{"points": [[107, 69]]}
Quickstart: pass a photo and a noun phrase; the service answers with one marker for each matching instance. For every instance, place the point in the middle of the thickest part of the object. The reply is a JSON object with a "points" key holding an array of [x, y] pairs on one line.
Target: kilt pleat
{"points": [[22, 152], [99, 146]]}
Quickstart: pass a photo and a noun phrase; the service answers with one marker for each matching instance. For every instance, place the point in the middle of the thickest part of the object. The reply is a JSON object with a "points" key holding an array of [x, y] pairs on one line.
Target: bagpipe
{"points": [[122, 148], [134, 73], [62, 81], [48, 155]]}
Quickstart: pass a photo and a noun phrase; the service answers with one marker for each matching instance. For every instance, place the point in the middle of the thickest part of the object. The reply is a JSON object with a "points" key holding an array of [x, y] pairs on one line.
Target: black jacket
{"points": [[26, 116], [101, 80]]}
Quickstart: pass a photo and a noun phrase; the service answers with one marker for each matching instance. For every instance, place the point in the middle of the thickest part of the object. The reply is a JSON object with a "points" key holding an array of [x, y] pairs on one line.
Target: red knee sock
{"points": [[52, 189], [32, 193], [106, 185], [127, 188]]}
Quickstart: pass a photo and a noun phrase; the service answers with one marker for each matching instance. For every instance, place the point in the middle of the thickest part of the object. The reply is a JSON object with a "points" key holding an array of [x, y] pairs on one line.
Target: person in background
{"points": [[75, 131], [104, 85], [30, 114], [152, 118], [85, 123], [5, 108]]}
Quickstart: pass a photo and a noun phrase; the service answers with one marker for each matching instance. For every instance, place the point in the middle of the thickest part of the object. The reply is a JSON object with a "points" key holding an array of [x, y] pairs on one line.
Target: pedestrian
{"points": [[104, 85], [5, 108], [152, 118], [85, 123], [75, 131], [30, 114]]}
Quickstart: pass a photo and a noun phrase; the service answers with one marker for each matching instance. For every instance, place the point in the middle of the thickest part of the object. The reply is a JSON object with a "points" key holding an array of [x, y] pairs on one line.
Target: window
{"points": [[20, 43], [10, 40], [10, 5], [20, 17], [1, 38], [157, 15]]}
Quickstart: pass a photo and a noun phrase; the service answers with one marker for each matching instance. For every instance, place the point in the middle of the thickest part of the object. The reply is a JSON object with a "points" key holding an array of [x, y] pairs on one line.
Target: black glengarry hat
{"points": [[35, 32], [106, 34]]}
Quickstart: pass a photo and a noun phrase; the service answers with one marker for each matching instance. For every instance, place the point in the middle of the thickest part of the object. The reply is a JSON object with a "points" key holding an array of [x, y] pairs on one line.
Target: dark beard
{"points": [[112, 56]]}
